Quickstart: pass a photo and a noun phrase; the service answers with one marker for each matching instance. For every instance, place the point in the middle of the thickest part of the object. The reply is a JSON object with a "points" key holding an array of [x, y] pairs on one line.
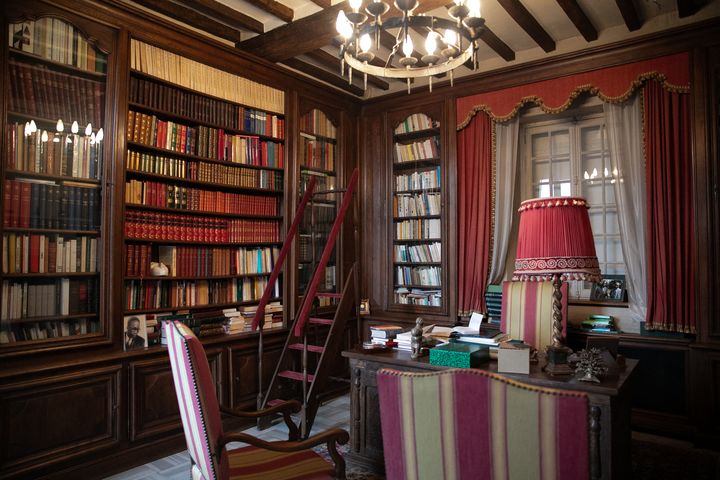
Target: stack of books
{"points": [[487, 335], [383, 334], [493, 300], [599, 324]]}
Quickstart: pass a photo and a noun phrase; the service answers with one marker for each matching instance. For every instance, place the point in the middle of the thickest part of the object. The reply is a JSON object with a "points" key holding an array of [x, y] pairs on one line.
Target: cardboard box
{"points": [[459, 355], [513, 358]]}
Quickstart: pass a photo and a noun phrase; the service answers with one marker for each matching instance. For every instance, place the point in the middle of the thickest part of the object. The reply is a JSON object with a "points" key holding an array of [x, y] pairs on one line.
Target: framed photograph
{"points": [[610, 289], [365, 306], [134, 332]]}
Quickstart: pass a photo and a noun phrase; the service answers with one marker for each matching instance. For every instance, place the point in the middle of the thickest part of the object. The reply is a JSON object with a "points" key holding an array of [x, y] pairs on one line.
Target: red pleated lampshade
{"points": [[555, 238]]}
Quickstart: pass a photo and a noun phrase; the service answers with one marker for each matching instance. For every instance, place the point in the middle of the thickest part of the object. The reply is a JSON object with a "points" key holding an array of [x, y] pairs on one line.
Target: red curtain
{"points": [[474, 213], [670, 245]]}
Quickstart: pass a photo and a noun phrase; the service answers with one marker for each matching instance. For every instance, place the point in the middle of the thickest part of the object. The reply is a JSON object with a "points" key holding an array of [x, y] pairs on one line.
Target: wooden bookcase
{"points": [[317, 158], [203, 195], [417, 273], [53, 170]]}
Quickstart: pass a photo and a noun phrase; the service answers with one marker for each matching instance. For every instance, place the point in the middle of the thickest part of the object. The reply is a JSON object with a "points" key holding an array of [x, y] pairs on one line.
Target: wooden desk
{"points": [[612, 396]]}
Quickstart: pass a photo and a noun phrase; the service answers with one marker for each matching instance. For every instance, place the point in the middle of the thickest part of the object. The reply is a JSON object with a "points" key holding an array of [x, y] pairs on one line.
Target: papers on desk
{"points": [[476, 320]]}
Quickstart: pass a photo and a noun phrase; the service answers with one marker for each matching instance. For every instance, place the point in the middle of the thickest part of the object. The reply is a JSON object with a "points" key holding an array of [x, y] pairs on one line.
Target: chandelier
{"points": [[448, 43]]}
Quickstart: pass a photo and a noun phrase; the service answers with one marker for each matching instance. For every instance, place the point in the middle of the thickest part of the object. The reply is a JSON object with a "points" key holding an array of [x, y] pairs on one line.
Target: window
{"points": [[571, 157]]}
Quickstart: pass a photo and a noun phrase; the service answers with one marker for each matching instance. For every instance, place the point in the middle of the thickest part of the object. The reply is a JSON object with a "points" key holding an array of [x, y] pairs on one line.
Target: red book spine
{"points": [[24, 189]]}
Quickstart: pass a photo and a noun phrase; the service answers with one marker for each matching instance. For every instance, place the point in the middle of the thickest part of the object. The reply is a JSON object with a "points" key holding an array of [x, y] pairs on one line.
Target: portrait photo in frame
{"points": [[610, 289]]}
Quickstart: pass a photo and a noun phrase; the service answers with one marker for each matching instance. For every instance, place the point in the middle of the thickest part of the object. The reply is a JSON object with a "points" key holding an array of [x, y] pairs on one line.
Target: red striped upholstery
{"points": [[527, 311], [471, 424], [200, 415]]}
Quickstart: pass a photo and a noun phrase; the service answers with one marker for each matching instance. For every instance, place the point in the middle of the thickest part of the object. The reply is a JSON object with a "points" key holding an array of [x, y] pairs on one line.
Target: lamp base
{"points": [[557, 361]]}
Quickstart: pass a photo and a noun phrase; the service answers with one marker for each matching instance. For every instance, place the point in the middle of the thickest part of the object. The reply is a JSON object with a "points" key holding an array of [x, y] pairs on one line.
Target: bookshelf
{"points": [[417, 215], [203, 196], [317, 157], [53, 171]]}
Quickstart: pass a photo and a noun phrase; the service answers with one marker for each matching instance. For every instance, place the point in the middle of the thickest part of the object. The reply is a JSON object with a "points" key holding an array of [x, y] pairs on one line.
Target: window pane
{"points": [[562, 189], [541, 172], [596, 222], [609, 193], [614, 250], [543, 191], [600, 249], [593, 166], [614, 269], [561, 169], [592, 191], [591, 139], [561, 142], [611, 223], [540, 145]]}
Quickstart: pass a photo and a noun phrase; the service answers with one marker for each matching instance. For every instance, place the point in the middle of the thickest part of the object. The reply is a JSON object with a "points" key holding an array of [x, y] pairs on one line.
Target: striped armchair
{"points": [[527, 311], [471, 424], [206, 441]]}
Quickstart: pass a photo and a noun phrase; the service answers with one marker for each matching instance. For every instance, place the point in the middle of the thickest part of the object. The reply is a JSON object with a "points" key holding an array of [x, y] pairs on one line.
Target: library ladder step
{"points": [[317, 357]]}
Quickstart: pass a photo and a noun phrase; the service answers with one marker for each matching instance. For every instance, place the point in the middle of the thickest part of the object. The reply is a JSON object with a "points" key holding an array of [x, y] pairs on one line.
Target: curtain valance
{"points": [[612, 84]]}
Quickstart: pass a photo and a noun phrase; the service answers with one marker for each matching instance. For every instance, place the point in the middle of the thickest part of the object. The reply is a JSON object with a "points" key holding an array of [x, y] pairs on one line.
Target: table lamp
{"points": [[555, 242]]}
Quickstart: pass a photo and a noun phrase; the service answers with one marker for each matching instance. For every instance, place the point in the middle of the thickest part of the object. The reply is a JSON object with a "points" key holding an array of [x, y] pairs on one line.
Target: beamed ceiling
{"points": [[300, 34]]}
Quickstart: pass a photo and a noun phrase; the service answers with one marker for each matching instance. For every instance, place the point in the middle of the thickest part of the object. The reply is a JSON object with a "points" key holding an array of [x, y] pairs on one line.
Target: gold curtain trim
{"points": [[579, 90], [669, 327], [203, 78], [493, 191]]}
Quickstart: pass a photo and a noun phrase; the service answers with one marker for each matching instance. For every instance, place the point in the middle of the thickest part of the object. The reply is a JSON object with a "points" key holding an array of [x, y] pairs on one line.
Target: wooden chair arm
{"points": [[285, 408], [332, 438]]}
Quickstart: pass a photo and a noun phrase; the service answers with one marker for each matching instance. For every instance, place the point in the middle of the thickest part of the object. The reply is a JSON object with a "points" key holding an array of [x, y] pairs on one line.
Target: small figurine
{"points": [[416, 339], [590, 364]]}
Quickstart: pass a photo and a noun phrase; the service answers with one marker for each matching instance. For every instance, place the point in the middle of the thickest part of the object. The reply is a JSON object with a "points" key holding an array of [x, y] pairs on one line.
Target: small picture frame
{"points": [[134, 332], [610, 289], [365, 306]]}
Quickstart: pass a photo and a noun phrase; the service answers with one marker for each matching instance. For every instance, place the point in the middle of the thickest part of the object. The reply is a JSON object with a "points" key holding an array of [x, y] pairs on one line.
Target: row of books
{"points": [[323, 182], [418, 229], [44, 151], [56, 40], [158, 194], [49, 253], [419, 204], [235, 176], [327, 280], [416, 296], [148, 294], [205, 109], [410, 152], [39, 91], [30, 203], [29, 331], [63, 296], [493, 301], [426, 252], [168, 226], [202, 141], [421, 180], [317, 153], [207, 261], [425, 276], [416, 122], [316, 122]]}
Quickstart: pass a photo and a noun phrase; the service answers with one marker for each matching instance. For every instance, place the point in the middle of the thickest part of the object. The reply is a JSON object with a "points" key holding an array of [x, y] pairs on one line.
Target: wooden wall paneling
{"points": [[706, 396], [153, 408], [48, 421], [242, 373]]}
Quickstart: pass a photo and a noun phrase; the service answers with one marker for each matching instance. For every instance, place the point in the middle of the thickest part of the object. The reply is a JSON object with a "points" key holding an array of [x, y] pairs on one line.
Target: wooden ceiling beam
{"points": [[192, 18], [687, 8], [494, 42], [324, 75], [301, 36], [524, 18], [224, 14], [332, 62], [284, 13], [579, 19], [629, 14]]}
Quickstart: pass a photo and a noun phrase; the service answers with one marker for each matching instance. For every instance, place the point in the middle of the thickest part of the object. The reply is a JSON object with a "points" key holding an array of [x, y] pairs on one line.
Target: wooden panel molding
{"points": [[44, 421], [153, 409]]}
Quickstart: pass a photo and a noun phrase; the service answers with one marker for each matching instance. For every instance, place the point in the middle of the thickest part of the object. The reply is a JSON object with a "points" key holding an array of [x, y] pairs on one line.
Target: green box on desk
{"points": [[459, 355]]}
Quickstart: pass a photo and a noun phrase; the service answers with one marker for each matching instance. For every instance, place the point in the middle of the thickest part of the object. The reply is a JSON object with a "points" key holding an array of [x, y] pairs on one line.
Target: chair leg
{"points": [[337, 458], [595, 464]]}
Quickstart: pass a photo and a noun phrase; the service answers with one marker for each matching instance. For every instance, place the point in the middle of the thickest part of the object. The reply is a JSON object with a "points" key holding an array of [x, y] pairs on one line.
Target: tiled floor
{"points": [[335, 413]]}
